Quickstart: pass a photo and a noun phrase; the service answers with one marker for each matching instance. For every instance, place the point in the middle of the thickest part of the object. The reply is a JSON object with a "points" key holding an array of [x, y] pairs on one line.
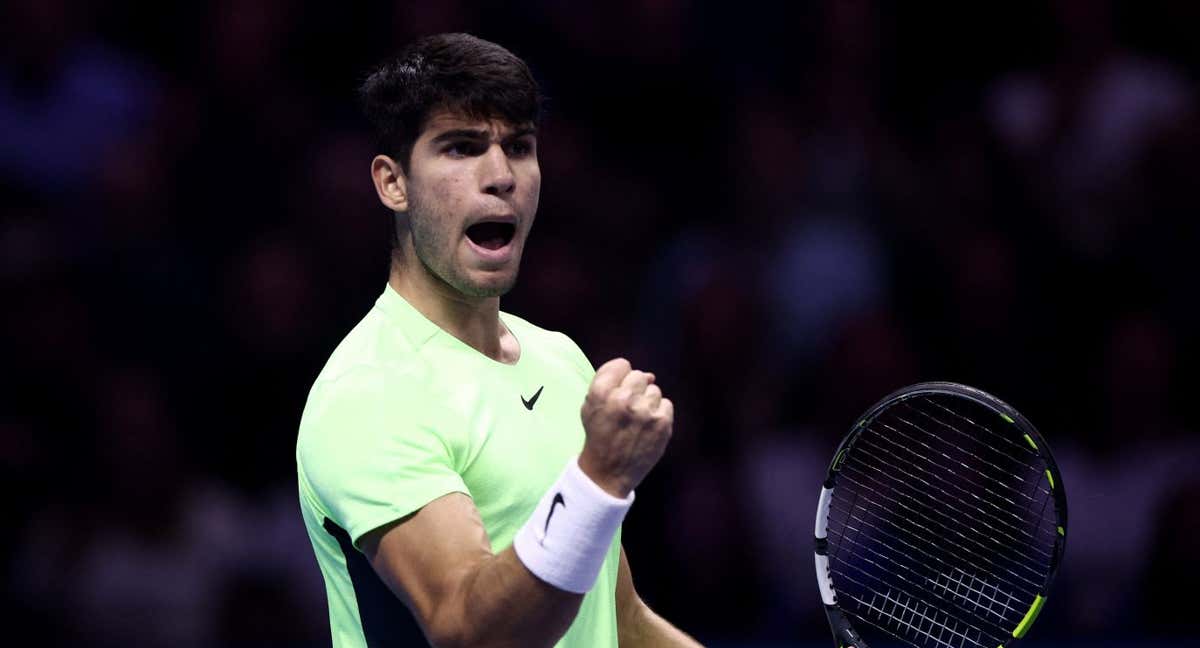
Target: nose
{"points": [[497, 173]]}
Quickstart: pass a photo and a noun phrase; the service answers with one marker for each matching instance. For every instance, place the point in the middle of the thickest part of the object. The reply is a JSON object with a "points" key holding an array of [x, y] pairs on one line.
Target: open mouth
{"points": [[491, 236]]}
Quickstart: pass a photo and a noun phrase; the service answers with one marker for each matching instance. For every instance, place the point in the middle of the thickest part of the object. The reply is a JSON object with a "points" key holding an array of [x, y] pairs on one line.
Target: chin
{"points": [[494, 286]]}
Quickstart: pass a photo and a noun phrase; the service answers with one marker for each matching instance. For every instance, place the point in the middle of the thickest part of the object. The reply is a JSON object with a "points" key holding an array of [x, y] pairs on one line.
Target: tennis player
{"points": [[454, 459]]}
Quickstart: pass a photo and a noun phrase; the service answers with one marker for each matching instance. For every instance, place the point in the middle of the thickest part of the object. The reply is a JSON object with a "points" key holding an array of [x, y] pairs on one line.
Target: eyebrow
{"points": [[479, 134]]}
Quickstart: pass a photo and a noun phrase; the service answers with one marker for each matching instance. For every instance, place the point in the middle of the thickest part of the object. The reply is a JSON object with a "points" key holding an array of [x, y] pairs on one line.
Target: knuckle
{"points": [[620, 396], [619, 366], [594, 392]]}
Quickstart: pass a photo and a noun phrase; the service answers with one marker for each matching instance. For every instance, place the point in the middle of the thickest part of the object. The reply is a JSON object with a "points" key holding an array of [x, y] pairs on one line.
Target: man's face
{"points": [[473, 189]]}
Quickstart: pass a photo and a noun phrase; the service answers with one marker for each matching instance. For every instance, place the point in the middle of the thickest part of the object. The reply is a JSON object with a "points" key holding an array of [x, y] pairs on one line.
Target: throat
{"points": [[475, 322]]}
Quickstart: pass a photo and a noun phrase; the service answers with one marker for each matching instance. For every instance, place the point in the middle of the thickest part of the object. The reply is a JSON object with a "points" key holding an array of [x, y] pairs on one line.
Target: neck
{"points": [[473, 320]]}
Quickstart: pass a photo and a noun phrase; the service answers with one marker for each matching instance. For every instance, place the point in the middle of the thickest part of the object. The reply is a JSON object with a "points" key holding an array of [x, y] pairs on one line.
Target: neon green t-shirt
{"points": [[404, 413]]}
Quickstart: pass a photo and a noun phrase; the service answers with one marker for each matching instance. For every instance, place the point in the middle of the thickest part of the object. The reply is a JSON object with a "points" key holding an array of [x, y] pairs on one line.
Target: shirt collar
{"points": [[415, 326]]}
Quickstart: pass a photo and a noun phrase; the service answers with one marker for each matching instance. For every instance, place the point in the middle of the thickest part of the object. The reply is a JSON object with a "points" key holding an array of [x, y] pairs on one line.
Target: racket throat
{"points": [[844, 636]]}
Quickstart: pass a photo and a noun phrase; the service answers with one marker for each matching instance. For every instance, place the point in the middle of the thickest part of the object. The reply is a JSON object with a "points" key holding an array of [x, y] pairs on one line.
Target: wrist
{"points": [[570, 533], [614, 486]]}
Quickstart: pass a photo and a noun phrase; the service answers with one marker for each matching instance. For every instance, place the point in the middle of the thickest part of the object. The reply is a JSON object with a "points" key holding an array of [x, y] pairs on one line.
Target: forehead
{"points": [[442, 121]]}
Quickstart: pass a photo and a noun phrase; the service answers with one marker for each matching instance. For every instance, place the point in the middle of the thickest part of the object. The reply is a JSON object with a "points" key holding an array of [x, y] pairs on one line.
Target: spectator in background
{"points": [[121, 556], [148, 552], [1127, 455], [1079, 125], [1169, 561], [65, 97]]}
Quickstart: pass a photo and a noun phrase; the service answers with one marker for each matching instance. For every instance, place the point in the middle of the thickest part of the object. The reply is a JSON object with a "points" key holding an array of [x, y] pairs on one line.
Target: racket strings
{"points": [[1026, 586], [934, 539], [925, 535], [1042, 517], [1051, 529], [927, 623], [1000, 603], [1033, 463], [925, 613], [928, 618], [967, 592], [933, 516], [1000, 454], [1004, 439], [1024, 451], [1026, 464], [936, 476], [850, 563], [1034, 458], [1032, 586]]}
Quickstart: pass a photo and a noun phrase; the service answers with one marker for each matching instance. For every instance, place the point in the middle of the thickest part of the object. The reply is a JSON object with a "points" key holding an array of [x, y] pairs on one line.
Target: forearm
{"points": [[439, 561], [528, 594], [640, 627], [499, 603]]}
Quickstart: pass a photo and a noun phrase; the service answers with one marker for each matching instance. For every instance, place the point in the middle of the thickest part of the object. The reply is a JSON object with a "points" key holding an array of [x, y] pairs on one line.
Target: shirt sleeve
{"points": [[371, 451], [578, 358]]}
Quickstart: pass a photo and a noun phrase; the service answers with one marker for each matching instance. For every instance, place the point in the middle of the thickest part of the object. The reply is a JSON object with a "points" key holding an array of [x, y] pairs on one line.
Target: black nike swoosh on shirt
{"points": [[530, 403], [558, 499]]}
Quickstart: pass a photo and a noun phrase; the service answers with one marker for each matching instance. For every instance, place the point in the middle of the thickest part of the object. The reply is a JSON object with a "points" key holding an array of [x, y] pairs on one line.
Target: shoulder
{"points": [[375, 343], [553, 343], [373, 359], [373, 377]]}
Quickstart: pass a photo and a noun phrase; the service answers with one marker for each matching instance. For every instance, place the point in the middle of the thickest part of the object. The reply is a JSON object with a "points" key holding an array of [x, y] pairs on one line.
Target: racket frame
{"points": [[844, 634]]}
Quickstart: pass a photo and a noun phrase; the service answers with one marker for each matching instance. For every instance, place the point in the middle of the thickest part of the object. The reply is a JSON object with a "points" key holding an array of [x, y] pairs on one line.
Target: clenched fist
{"points": [[628, 424]]}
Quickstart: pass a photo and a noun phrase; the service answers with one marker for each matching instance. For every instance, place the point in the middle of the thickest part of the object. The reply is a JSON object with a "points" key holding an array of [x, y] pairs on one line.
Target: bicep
{"points": [[424, 557], [628, 602], [637, 624]]}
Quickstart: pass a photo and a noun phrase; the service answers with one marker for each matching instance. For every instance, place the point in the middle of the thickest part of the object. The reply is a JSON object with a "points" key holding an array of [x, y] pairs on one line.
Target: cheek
{"points": [[533, 190], [446, 205], [449, 192]]}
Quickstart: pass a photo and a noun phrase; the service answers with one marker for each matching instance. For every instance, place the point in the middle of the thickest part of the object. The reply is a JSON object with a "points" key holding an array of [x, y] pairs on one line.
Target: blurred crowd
{"points": [[784, 210]]}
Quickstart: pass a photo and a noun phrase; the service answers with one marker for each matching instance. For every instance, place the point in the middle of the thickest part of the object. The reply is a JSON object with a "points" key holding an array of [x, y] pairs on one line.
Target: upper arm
{"points": [[380, 458], [628, 602], [373, 449], [425, 557], [637, 624]]}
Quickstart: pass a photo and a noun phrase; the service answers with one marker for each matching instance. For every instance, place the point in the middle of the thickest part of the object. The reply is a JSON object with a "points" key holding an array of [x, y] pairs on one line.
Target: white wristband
{"points": [[567, 538]]}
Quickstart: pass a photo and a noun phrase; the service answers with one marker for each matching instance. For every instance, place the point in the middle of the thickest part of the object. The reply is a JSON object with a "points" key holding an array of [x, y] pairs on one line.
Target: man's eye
{"points": [[462, 149], [520, 149]]}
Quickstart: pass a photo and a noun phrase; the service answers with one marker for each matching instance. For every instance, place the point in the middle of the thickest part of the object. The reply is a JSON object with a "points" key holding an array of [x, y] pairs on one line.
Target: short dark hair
{"points": [[455, 72]]}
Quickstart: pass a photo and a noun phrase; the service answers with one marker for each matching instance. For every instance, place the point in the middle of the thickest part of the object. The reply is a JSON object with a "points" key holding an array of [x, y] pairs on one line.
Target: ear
{"points": [[390, 183]]}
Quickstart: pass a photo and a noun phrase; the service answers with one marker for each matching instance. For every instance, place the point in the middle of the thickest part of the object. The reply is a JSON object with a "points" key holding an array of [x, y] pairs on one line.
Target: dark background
{"points": [[785, 211]]}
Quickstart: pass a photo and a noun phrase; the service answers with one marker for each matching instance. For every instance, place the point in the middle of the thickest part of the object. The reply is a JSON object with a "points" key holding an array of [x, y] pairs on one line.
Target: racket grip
{"points": [[844, 636]]}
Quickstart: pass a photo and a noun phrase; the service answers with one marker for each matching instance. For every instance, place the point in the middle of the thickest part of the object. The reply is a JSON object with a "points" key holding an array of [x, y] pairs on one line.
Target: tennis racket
{"points": [[941, 522]]}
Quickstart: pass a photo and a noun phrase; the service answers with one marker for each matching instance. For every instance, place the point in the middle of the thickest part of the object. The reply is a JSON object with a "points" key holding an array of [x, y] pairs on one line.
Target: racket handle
{"points": [[844, 636]]}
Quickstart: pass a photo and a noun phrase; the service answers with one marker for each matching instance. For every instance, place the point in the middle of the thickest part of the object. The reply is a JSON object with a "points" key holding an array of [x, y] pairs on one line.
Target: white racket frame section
{"points": [[824, 580]]}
